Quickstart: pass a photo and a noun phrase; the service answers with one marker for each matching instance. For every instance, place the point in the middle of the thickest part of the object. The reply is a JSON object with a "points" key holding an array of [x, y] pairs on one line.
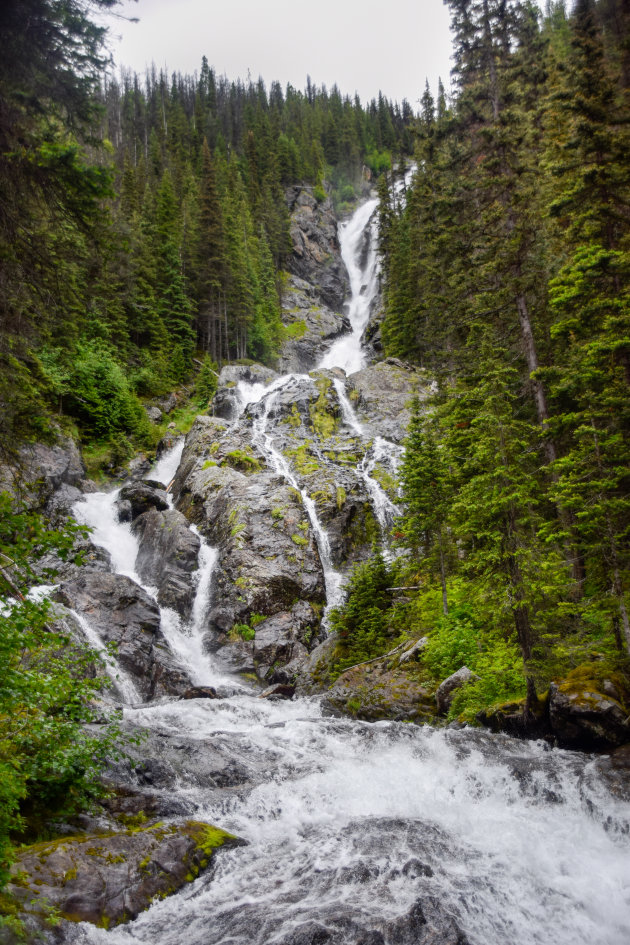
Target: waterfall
{"points": [[263, 439], [348, 824]]}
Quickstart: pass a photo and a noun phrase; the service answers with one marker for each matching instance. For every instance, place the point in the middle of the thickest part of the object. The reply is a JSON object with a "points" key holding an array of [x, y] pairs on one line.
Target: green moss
{"points": [[208, 838], [241, 460], [299, 540], [208, 463], [294, 419], [296, 329], [341, 497], [303, 461], [324, 420], [388, 483]]}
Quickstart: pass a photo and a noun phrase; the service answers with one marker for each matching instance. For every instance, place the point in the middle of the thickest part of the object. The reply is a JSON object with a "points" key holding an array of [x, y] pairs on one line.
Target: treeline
{"points": [[143, 223], [507, 277]]}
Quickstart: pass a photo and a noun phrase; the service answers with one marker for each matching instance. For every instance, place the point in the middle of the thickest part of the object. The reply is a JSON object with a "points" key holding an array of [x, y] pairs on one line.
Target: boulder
{"points": [[586, 711], [154, 414], [168, 557], [109, 879], [200, 692], [278, 691], [169, 403], [382, 688], [446, 691], [121, 612], [281, 639], [142, 496]]}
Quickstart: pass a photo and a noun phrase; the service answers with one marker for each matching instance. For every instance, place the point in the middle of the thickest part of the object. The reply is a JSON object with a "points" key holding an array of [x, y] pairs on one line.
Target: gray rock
{"points": [[382, 395], [143, 496], [414, 650], [584, 717], [40, 469], [168, 405], [446, 691], [109, 879], [311, 326], [154, 414], [226, 403], [280, 639], [168, 557], [121, 612], [316, 256]]}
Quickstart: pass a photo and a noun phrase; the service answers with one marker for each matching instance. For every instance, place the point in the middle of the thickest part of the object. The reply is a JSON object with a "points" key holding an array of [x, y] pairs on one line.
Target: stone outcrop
{"points": [[382, 394], [40, 470], [226, 402], [310, 326], [121, 612], [316, 256], [109, 879], [588, 713], [138, 497], [168, 557]]}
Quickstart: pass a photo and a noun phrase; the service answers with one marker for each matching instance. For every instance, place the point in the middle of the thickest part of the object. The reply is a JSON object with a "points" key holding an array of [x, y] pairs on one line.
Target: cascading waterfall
{"points": [[263, 439], [349, 824], [185, 638]]}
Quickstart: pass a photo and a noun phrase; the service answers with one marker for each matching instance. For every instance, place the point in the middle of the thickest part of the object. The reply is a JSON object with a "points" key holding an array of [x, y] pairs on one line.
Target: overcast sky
{"points": [[362, 45]]}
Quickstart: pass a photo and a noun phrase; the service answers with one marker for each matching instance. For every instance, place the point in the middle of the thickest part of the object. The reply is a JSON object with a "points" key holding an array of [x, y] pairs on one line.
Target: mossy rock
{"points": [[109, 878]]}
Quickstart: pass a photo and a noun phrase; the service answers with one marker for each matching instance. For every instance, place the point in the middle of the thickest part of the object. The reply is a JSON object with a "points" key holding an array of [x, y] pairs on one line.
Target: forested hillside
{"points": [[506, 277], [144, 221]]}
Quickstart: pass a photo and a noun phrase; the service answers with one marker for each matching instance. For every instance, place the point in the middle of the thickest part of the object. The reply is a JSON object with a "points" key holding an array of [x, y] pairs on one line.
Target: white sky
{"points": [[362, 45]]}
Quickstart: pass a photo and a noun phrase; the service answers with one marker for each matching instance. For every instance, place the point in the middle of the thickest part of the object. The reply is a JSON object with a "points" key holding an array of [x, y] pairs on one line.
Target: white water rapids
{"points": [[349, 824]]}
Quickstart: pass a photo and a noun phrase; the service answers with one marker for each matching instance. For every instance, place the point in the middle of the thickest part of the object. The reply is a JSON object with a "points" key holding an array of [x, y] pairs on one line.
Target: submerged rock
{"points": [[111, 878]]}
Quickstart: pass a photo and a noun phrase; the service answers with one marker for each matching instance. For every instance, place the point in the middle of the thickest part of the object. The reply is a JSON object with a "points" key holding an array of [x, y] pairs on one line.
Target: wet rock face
{"points": [[110, 879], [316, 256], [382, 394], [168, 557], [139, 497], [121, 612], [311, 326], [226, 403], [269, 564]]}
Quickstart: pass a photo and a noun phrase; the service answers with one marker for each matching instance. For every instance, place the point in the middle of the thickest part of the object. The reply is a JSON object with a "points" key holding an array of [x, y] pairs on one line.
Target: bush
{"points": [[362, 623], [49, 763]]}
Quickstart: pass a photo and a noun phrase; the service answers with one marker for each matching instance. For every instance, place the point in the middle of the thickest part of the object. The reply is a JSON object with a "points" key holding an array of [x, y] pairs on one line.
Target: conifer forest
{"points": [[315, 414]]}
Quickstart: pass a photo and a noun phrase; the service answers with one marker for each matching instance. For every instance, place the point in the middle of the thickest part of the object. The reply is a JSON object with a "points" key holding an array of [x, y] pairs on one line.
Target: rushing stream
{"points": [[350, 824]]}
